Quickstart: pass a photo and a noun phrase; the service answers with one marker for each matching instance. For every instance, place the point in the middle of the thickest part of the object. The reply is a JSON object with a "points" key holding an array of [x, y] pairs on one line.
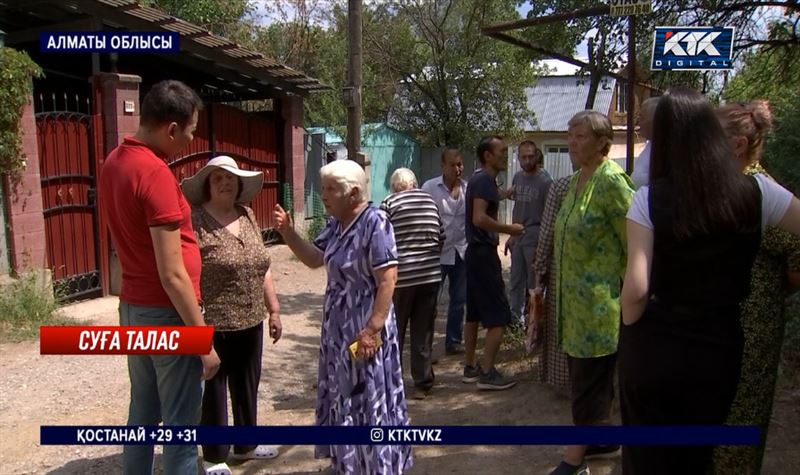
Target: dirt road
{"points": [[84, 390]]}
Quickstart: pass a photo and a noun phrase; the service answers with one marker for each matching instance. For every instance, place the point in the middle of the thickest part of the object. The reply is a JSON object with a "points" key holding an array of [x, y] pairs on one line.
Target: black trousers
{"points": [[677, 370], [417, 305], [240, 371], [592, 388]]}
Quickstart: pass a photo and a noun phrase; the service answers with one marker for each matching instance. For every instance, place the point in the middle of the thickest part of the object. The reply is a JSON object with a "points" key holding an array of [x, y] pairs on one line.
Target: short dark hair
{"points": [[691, 153], [527, 142], [169, 101], [485, 145], [207, 189], [537, 151], [448, 150]]}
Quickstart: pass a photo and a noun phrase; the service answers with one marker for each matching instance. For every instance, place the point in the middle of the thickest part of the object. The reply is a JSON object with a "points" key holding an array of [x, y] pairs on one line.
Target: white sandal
{"points": [[262, 452], [212, 468]]}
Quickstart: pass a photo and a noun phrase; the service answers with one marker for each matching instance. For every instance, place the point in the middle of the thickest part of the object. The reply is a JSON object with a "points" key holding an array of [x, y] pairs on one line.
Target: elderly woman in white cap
{"points": [[238, 294]]}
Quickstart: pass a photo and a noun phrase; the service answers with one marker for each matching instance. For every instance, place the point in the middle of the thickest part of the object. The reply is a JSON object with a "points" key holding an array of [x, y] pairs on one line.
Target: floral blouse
{"points": [[232, 279], [590, 252]]}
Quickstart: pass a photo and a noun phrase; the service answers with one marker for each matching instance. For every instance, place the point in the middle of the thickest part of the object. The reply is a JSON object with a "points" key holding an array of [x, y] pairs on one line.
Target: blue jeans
{"points": [[166, 388], [457, 286]]}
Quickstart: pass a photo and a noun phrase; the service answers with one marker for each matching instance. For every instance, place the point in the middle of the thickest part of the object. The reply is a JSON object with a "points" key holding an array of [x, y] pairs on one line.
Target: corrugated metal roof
{"points": [[235, 57], [555, 99]]}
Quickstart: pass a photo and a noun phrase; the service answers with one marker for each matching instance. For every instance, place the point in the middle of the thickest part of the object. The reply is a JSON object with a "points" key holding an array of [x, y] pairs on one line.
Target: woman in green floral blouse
{"points": [[763, 313], [590, 249]]}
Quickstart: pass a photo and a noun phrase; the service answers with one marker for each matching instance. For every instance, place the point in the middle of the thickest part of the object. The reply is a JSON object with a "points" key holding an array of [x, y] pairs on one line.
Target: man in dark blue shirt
{"points": [[486, 296]]}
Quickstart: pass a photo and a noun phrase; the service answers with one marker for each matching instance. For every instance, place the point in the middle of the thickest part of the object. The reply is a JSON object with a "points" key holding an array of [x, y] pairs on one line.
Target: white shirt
{"points": [[775, 201], [453, 214], [641, 168]]}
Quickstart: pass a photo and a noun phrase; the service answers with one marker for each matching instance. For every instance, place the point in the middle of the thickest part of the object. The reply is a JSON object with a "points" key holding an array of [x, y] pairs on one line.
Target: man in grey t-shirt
{"points": [[530, 186]]}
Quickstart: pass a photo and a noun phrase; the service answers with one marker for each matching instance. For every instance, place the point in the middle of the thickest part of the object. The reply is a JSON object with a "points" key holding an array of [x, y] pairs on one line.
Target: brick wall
{"points": [[23, 198], [294, 158], [111, 91]]}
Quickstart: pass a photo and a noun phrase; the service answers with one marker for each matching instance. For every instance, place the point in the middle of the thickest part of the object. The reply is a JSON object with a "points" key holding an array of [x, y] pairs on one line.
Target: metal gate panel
{"points": [[250, 139], [67, 167]]}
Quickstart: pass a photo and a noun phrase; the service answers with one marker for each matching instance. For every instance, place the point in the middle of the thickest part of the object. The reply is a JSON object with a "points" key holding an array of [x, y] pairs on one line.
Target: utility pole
{"points": [[352, 93], [631, 90]]}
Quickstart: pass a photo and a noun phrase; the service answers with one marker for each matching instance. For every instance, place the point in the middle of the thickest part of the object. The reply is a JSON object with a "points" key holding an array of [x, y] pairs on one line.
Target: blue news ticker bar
{"points": [[414, 435], [109, 42]]}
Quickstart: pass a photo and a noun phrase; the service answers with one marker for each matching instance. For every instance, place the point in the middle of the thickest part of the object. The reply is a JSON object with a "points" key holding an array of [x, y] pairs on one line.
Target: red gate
{"points": [[250, 139], [68, 145]]}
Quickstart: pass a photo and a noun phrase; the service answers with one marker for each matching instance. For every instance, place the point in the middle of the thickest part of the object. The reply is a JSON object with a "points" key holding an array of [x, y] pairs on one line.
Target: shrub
{"points": [[25, 305], [16, 88]]}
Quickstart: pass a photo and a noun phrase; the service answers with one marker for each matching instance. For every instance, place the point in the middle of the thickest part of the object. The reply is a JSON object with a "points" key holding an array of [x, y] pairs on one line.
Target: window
{"points": [[622, 98], [557, 162]]}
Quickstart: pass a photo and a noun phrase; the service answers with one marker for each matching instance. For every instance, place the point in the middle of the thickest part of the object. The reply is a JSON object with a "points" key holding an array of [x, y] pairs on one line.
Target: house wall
{"points": [[293, 159], [388, 150]]}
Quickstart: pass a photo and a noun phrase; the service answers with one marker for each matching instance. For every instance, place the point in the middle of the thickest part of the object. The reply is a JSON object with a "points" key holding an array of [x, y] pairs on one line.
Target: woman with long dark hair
{"points": [[693, 234]]}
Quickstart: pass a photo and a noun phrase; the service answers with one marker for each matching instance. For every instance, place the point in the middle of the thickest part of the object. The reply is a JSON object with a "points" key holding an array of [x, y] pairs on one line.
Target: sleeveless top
{"points": [[703, 275]]}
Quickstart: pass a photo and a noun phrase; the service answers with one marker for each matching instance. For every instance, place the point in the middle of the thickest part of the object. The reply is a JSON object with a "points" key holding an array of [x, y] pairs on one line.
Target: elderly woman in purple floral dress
{"points": [[358, 250]]}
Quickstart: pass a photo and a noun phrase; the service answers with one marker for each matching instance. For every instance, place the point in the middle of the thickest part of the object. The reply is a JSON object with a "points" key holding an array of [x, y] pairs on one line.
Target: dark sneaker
{"points": [[454, 350], [566, 469], [601, 451], [419, 393], [471, 373], [495, 380]]}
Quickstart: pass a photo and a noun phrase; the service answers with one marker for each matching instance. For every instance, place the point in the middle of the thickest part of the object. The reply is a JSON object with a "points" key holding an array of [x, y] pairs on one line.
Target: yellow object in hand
{"points": [[354, 346]]}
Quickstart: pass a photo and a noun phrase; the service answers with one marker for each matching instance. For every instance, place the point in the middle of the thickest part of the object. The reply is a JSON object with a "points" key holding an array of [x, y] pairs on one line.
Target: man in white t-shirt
{"points": [[641, 167]]}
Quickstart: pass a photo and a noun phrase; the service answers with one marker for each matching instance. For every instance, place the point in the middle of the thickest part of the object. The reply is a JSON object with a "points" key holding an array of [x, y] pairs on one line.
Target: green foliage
{"points": [[223, 17], [456, 83], [312, 37], [747, 17], [790, 356], [774, 75], [16, 88], [780, 152], [317, 224], [25, 305]]}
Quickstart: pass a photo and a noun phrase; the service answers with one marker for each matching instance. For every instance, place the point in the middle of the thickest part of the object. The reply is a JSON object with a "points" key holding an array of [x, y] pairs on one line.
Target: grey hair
{"points": [[598, 123], [403, 179], [348, 174], [649, 106]]}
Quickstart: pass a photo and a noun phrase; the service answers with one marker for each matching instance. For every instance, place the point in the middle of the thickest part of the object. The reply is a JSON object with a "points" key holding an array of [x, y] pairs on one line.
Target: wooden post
{"points": [[630, 102], [353, 92]]}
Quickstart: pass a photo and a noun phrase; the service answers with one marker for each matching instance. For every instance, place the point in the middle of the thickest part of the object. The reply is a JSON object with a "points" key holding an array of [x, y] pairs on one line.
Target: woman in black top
{"points": [[692, 238]]}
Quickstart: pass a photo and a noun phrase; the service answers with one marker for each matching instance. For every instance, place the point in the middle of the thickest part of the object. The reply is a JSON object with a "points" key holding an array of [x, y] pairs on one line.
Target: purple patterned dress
{"points": [[365, 393]]}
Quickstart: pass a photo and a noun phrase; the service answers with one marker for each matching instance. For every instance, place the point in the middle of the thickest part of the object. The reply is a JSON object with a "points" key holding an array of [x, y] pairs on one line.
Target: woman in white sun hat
{"points": [[238, 293]]}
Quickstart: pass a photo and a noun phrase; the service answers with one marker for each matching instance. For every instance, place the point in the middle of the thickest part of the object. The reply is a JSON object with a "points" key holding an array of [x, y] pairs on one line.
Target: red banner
{"points": [[129, 340]]}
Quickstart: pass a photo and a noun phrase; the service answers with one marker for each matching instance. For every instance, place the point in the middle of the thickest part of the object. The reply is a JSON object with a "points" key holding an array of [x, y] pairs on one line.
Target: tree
{"points": [[755, 80], [747, 17], [311, 36], [455, 83], [226, 18]]}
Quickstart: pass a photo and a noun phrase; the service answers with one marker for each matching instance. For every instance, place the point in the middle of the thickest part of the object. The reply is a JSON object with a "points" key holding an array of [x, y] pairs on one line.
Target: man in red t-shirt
{"points": [[151, 228]]}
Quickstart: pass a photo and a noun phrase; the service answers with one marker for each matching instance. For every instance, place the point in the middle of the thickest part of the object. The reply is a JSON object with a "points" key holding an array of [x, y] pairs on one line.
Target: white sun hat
{"points": [[252, 182]]}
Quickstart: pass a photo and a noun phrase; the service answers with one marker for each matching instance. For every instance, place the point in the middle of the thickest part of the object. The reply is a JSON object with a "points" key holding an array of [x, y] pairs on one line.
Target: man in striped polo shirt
{"points": [[419, 235]]}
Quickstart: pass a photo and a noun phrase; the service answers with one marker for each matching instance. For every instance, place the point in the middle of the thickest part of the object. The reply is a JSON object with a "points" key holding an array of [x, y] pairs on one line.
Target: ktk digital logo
{"points": [[692, 48]]}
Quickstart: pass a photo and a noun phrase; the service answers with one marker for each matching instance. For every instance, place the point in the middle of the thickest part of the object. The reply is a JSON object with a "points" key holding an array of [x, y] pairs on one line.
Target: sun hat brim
{"points": [[252, 181]]}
